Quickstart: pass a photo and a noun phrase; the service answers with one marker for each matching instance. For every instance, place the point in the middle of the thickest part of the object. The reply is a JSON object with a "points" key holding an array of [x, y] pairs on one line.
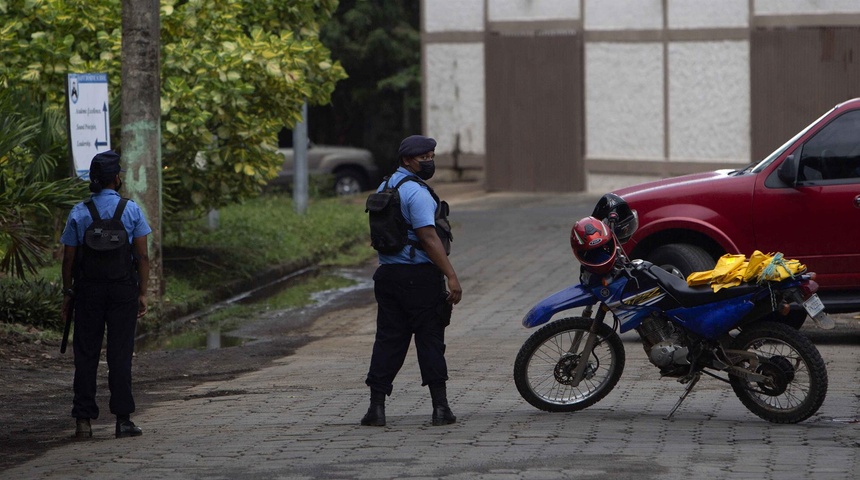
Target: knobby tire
{"points": [[544, 359], [798, 365]]}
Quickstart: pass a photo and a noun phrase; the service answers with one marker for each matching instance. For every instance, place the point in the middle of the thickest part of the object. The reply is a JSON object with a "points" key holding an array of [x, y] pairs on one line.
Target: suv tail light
{"points": [[808, 288]]}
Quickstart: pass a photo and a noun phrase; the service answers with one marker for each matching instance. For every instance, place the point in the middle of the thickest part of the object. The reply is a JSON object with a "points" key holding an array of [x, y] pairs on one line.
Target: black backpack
{"points": [[388, 228], [106, 254]]}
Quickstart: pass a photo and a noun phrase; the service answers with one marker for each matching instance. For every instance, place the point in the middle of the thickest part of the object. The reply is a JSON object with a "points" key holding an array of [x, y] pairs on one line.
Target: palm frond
{"points": [[32, 141]]}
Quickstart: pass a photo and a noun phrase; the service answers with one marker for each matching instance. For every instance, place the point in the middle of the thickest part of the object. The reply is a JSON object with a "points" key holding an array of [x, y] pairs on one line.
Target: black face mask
{"points": [[118, 185], [426, 169]]}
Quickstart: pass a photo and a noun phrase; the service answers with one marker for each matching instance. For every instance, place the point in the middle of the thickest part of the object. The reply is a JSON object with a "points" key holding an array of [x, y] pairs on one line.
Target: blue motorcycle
{"points": [[746, 336]]}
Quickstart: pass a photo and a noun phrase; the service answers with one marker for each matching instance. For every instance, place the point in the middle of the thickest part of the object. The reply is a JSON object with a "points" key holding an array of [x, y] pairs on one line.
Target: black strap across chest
{"points": [[117, 215]]}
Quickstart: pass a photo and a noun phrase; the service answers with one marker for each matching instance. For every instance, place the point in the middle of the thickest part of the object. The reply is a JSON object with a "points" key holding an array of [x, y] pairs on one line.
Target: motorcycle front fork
{"points": [[590, 341]]}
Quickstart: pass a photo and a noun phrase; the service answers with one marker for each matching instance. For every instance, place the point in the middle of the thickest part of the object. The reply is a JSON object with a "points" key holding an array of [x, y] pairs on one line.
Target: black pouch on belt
{"points": [[445, 309]]}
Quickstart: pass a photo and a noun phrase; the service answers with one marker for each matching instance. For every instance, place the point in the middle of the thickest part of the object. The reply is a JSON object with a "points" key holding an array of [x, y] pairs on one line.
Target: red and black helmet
{"points": [[593, 245]]}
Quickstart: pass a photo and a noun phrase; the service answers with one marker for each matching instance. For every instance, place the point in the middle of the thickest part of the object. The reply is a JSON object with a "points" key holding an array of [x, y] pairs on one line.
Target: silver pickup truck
{"points": [[353, 169]]}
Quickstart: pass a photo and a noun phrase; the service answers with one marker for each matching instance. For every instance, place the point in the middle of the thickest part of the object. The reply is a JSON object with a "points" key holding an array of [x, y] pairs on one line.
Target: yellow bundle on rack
{"points": [[732, 270]]}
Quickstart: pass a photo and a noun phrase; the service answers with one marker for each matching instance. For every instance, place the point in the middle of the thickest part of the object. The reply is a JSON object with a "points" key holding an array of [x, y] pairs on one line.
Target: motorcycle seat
{"points": [[689, 296]]}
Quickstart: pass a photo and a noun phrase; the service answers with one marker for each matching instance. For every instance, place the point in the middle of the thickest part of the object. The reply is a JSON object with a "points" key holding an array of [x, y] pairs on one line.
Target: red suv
{"points": [[802, 200]]}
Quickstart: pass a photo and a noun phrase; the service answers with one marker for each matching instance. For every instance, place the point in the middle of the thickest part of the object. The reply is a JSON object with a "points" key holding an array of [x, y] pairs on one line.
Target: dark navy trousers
{"points": [[411, 301], [100, 305]]}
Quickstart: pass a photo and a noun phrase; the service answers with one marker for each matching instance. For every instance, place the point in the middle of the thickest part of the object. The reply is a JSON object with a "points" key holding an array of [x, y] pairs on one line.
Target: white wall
{"points": [[624, 100], [455, 96], [628, 105], [790, 7], [708, 94], [453, 15], [692, 14], [623, 14], [519, 10], [709, 101]]}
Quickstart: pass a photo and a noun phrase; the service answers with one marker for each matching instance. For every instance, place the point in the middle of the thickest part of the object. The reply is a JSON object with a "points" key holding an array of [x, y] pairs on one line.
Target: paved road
{"points": [[298, 418]]}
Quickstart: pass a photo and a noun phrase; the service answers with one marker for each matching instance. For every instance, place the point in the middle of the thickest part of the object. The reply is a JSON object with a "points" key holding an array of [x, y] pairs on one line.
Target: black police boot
{"points": [[126, 428], [442, 414], [83, 429], [375, 415]]}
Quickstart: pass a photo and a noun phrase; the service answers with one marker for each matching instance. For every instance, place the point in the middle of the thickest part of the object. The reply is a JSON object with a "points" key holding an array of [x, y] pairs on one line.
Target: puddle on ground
{"points": [[852, 420], [200, 331], [210, 339]]}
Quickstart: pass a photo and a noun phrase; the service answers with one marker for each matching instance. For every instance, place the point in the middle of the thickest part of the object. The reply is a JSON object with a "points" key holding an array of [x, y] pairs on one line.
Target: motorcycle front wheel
{"points": [[546, 364], [796, 374]]}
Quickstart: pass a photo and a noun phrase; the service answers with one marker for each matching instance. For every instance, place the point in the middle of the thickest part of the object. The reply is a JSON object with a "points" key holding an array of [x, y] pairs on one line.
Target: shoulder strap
{"points": [[117, 215], [408, 178], [414, 178], [422, 182], [91, 206]]}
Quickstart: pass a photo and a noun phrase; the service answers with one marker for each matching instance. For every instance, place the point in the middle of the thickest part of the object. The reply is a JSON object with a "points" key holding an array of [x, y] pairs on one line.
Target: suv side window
{"points": [[834, 152]]}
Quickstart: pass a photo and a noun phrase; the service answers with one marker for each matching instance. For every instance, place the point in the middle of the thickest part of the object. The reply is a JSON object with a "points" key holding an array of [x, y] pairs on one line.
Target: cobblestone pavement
{"points": [[299, 417]]}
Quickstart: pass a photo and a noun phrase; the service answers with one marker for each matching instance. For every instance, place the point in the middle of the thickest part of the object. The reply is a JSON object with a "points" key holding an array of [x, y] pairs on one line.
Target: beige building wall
{"points": [[667, 86]]}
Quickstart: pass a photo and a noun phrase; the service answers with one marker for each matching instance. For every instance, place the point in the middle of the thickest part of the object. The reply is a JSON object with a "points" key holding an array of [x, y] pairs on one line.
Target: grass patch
{"points": [[29, 334], [355, 254], [300, 294], [267, 230], [199, 332], [199, 264], [257, 235]]}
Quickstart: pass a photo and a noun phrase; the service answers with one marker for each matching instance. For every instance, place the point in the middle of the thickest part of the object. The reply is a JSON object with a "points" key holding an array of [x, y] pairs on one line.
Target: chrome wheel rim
{"points": [[550, 368]]}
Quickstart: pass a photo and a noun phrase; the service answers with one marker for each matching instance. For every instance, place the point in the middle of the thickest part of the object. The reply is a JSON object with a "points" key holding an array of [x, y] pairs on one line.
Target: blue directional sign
{"points": [[89, 118]]}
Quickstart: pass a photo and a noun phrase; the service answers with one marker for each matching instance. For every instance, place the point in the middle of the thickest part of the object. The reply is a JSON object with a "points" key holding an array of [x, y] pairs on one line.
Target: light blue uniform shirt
{"points": [[106, 202], [418, 209]]}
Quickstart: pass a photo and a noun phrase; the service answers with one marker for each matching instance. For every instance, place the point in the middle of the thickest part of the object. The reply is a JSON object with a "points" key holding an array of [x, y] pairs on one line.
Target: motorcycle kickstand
{"points": [[687, 390]]}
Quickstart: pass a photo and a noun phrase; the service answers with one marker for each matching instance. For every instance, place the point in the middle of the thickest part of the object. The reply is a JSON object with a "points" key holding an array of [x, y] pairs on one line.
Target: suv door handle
{"points": [[857, 201]]}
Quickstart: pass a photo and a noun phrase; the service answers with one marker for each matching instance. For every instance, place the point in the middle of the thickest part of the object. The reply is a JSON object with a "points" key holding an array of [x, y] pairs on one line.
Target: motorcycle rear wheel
{"points": [[544, 366], [797, 372]]}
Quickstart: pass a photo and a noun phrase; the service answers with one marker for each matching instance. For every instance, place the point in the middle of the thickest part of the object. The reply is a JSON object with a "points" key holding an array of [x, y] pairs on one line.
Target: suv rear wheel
{"points": [[349, 181], [681, 259]]}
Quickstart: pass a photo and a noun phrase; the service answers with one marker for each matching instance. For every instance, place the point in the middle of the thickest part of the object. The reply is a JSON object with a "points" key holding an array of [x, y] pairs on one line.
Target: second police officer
{"points": [[411, 294]]}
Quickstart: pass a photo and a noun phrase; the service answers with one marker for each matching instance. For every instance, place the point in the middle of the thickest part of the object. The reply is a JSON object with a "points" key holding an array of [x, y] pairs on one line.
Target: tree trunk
{"points": [[141, 124]]}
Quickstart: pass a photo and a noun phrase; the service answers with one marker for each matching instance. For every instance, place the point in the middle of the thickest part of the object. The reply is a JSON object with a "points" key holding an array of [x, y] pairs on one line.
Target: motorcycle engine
{"points": [[663, 343]]}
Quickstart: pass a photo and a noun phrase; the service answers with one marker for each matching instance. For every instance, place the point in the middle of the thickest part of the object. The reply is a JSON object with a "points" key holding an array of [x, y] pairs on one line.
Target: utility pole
{"points": [[300, 162], [141, 124]]}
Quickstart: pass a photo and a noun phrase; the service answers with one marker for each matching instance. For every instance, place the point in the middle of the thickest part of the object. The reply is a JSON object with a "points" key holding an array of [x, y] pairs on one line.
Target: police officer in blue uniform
{"points": [[99, 303], [410, 293]]}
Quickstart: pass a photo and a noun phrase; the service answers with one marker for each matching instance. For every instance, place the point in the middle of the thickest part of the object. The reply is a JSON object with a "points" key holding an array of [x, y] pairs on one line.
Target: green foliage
{"points": [[31, 145], [233, 73], [36, 303], [379, 45], [255, 236], [267, 229]]}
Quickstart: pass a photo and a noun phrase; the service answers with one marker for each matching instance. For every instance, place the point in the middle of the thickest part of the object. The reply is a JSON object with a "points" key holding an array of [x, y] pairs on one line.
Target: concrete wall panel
{"points": [[518, 10], [623, 14], [453, 15], [691, 14], [455, 97], [624, 100], [709, 101], [792, 7]]}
